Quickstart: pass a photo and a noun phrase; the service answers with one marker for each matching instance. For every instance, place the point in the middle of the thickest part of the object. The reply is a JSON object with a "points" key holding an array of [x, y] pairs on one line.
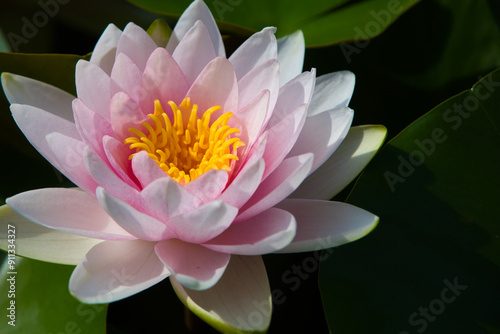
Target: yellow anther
{"points": [[186, 151]]}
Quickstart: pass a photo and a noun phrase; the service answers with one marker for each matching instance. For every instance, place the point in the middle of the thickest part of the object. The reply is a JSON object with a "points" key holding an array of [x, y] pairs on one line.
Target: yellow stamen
{"points": [[186, 151]]}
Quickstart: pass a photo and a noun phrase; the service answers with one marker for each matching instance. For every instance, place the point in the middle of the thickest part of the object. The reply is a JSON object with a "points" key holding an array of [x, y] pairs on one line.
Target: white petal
{"points": [[332, 90], [42, 243], [239, 303], [113, 270], [194, 266], [196, 11], [105, 49], [357, 149], [322, 134], [291, 51], [68, 210], [23, 90], [256, 50], [264, 233], [326, 224]]}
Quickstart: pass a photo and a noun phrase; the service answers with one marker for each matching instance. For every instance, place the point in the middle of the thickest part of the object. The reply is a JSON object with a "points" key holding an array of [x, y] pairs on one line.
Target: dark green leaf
{"points": [[435, 188], [323, 22]]}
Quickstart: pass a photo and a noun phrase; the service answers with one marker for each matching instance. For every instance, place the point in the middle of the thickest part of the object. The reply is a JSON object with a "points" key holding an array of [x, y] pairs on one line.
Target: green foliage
{"points": [[323, 22], [40, 301], [435, 189]]}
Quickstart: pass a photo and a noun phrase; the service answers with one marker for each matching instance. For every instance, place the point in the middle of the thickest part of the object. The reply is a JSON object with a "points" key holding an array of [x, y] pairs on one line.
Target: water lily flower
{"points": [[189, 165]]}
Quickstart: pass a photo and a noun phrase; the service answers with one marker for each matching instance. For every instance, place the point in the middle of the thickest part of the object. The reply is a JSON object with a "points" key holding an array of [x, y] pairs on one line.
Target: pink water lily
{"points": [[189, 165]]}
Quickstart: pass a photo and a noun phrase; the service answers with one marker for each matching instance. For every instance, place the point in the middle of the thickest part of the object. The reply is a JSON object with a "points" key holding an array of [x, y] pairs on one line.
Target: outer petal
{"points": [[93, 86], [68, 159], [283, 181], [325, 224], [68, 210], [239, 303], [136, 223], [258, 49], [196, 11], [216, 85], [357, 149], [194, 266], [136, 44], [194, 51], [114, 270], [105, 49], [36, 124], [23, 90], [322, 134], [332, 90], [291, 51], [265, 233], [42, 243]]}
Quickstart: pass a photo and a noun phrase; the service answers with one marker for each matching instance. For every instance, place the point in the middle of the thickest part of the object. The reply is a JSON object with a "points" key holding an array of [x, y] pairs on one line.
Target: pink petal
{"points": [[134, 222], [108, 179], [125, 114], [325, 224], [248, 178], [194, 51], [322, 134], [68, 210], [281, 183], [146, 169], [295, 93], [113, 270], [36, 124], [163, 79], [253, 117], [93, 87], [117, 155], [105, 49], [264, 233], [136, 44], [239, 303], [196, 11], [258, 49], [208, 186], [332, 90], [261, 78], [282, 136], [215, 86], [344, 165], [194, 266], [203, 223], [165, 198], [127, 76], [23, 90], [291, 51], [92, 127], [68, 155]]}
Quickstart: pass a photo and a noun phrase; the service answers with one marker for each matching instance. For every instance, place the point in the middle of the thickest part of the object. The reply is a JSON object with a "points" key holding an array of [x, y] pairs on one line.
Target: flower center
{"points": [[186, 151]]}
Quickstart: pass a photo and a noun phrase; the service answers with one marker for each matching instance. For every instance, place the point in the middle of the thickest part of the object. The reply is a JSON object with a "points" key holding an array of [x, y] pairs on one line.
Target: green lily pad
{"points": [[323, 22], [433, 262], [36, 300]]}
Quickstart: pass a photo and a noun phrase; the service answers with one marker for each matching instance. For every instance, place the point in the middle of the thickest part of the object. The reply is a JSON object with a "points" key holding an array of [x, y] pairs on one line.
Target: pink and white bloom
{"points": [[189, 165]]}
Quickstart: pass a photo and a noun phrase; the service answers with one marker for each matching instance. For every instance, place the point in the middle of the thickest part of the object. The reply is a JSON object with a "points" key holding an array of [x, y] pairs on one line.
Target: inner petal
{"points": [[187, 148]]}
